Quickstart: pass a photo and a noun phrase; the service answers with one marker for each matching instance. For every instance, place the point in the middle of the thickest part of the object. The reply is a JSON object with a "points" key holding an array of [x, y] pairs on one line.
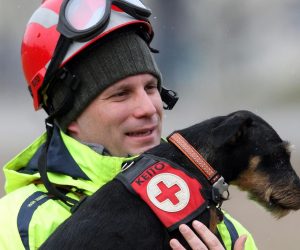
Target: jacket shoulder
{"points": [[28, 217]]}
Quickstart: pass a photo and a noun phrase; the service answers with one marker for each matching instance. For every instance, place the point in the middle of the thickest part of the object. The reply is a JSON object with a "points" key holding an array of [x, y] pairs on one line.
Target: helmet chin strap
{"points": [[72, 82], [42, 167]]}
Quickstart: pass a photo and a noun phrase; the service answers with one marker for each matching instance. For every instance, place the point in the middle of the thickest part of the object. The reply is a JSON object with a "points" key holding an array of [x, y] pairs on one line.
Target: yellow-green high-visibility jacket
{"points": [[28, 215]]}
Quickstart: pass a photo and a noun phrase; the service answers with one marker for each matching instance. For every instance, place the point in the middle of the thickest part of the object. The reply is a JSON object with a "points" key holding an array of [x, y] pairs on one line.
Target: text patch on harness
{"points": [[172, 194]]}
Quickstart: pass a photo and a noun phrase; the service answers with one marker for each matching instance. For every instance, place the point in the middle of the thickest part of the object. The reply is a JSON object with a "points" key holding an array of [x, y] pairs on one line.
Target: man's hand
{"points": [[204, 240]]}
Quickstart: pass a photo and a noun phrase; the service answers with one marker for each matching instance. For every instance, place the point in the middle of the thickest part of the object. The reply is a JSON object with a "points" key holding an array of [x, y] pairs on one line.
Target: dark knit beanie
{"points": [[119, 55]]}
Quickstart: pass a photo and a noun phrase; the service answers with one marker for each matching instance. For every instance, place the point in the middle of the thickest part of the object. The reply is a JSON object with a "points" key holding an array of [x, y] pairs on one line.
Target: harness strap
{"points": [[220, 187], [194, 157]]}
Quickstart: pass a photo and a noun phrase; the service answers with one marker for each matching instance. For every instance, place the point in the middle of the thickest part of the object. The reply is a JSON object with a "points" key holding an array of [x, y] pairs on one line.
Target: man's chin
{"points": [[141, 149]]}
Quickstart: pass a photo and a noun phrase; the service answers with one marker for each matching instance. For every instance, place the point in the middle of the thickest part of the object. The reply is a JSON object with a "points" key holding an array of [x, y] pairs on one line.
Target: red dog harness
{"points": [[173, 194]]}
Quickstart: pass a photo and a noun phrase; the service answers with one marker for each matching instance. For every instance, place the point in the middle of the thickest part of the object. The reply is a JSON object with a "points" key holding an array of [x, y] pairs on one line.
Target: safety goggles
{"points": [[83, 20]]}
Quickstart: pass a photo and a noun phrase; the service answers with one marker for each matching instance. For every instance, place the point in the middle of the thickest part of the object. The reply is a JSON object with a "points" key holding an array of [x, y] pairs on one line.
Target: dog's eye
{"points": [[272, 202]]}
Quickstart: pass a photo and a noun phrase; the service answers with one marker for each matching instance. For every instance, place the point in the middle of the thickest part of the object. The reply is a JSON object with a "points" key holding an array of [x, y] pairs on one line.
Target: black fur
{"points": [[241, 146]]}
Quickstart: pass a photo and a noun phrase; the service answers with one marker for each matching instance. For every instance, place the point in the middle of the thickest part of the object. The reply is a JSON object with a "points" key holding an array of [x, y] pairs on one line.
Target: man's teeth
{"points": [[144, 133]]}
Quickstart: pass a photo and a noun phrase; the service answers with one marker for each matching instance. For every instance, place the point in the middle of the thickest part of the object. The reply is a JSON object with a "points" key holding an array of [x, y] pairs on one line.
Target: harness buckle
{"points": [[218, 189]]}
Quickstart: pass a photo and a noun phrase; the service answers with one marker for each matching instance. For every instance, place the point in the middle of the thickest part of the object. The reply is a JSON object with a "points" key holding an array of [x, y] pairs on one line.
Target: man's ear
{"points": [[73, 129], [230, 131]]}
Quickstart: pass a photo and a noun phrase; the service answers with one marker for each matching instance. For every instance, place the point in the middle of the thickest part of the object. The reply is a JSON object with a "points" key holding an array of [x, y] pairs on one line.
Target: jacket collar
{"points": [[57, 157], [69, 163]]}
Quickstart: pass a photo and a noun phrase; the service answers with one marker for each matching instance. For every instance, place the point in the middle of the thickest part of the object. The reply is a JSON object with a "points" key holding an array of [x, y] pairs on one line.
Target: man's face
{"points": [[126, 118]]}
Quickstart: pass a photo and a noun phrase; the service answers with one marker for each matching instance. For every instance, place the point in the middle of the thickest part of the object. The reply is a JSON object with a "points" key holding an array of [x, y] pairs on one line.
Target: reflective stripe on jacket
{"points": [[28, 216]]}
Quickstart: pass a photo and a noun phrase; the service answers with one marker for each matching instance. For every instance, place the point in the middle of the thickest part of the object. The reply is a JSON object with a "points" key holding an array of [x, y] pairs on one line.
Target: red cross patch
{"points": [[170, 192]]}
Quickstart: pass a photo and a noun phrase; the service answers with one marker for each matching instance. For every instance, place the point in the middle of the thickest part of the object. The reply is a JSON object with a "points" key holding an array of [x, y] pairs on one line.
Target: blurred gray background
{"points": [[220, 56]]}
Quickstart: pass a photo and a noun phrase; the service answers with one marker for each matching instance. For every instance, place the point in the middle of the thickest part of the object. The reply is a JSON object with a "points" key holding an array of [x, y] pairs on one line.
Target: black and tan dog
{"points": [[241, 147]]}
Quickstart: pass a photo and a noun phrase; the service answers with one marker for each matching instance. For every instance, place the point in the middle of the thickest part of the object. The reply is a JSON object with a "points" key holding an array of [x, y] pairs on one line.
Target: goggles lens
{"points": [[84, 14]]}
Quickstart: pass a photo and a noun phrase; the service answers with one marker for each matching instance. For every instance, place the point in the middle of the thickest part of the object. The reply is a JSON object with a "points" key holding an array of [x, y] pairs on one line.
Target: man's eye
{"points": [[119, 96], [123, 93], [152, 87]]}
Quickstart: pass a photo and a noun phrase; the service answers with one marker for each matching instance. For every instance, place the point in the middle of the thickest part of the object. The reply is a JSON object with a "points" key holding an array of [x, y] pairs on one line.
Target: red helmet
{"points": [[41, 38]]}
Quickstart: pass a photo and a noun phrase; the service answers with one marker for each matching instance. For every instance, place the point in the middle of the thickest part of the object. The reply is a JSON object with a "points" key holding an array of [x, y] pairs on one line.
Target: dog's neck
{"points": [[172, 153]]}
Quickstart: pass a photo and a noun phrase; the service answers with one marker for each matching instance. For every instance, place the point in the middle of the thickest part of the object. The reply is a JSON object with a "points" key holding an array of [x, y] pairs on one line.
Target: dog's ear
{"points": [[231, 130]]}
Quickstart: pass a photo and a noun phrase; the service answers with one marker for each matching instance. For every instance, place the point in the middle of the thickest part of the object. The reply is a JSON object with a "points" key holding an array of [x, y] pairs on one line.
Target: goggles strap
{"points": [[147, 38], [132, 10]]}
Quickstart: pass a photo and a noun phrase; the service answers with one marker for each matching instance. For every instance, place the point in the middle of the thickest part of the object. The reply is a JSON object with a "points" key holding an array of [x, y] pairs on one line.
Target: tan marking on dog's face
{"points": [[248, 178], [277, 198], [268, 193]]}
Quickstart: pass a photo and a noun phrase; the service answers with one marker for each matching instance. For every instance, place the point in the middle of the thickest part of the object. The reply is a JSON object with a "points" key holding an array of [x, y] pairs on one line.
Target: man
{"points": [[103, 92]]}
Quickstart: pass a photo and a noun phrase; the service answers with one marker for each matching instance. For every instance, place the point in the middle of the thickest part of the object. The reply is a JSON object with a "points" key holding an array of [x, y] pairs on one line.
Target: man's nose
{"points": [[144, 105]]}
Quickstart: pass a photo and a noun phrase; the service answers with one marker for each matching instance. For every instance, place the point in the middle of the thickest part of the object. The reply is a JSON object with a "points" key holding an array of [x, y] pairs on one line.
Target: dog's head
{"points": [[249, 153]]}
